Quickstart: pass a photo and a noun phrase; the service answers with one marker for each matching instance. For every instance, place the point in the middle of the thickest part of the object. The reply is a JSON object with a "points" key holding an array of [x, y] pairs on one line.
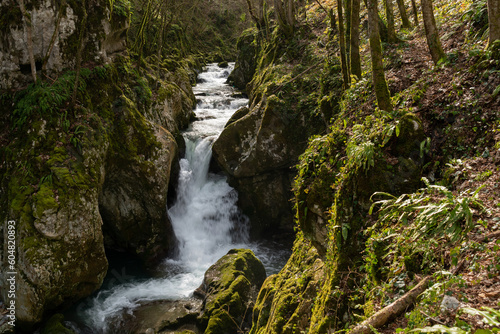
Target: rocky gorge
{"points": [[103, 153]]}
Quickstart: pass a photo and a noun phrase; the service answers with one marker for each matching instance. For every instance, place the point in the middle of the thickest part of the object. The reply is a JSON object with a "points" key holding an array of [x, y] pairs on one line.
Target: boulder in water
{"points": [[231, 286]]}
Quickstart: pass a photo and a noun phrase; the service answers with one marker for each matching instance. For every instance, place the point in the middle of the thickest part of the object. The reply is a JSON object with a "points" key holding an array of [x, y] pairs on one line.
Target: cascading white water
{"points": [[205, 217]]}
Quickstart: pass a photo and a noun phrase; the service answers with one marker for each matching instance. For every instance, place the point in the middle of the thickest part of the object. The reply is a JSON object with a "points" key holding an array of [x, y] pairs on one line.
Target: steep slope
{"points": [[348, 259]]}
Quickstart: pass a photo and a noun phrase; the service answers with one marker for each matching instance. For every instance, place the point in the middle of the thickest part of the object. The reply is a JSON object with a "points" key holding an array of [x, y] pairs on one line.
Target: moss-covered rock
{"points": [[337, 175], [246, 61], [75, 176], [231, 286]]}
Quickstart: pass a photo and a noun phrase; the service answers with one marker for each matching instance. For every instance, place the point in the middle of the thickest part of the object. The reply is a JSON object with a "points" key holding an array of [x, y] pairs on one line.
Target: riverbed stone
{"points": [[162, 317]]}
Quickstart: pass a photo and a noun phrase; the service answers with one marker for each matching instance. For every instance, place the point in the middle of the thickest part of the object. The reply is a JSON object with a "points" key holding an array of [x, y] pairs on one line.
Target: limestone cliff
{"points": [[56, 27]]}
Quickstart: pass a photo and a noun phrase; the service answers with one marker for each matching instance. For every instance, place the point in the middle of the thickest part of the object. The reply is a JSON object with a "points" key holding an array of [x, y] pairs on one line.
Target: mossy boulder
{"points": [[332, 192], [231, 286]]}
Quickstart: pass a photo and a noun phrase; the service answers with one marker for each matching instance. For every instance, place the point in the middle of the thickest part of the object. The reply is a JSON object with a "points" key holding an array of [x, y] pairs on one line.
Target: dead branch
{"points": [[391, 311]]}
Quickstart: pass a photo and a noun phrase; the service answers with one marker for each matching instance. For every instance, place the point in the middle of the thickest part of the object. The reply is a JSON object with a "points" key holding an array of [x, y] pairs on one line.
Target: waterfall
{"points": [[205, 217]]}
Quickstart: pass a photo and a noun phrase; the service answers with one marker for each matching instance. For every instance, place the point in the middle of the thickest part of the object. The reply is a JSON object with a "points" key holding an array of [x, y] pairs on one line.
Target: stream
{"points": [[205, 218]]}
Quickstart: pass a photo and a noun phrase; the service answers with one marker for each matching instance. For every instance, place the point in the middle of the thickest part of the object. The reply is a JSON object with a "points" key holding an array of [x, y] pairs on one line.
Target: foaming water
{"points": [[205, 217]]}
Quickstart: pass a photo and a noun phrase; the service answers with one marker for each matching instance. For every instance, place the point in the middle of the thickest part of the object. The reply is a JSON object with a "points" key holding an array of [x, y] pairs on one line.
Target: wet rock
{"points": [[163, 317], [257, 149], [231, 286]]}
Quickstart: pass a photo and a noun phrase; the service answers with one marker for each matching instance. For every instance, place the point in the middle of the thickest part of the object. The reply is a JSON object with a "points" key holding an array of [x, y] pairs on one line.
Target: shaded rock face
{"points": [[230, 288], [105, 37], [133, 200], [258, 151]]}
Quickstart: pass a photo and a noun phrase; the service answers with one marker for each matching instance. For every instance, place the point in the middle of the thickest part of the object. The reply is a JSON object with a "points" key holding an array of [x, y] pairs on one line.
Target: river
{"points": [[205, 218]]}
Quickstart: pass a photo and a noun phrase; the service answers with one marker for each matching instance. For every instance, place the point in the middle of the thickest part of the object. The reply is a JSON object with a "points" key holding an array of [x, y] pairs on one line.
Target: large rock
{"points": [[230, 287], [133, 198], [161, 317], [258, 151], [245, 66], [105, 37], [60, 252]]}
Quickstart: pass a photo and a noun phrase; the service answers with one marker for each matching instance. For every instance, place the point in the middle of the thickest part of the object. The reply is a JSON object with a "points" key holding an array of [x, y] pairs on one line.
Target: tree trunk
{"points": [[355, 57], [431, 32], [382, 28], [29, 35], [389, 13], [404, 15], [378, 76], [494, 20], [348, 10], [415, 12], [343, 59], [391, 311]]}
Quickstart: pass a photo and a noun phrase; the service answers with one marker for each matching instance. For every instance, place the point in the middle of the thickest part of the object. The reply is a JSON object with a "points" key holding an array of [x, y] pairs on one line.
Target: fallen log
{"points": [[391, 311]]}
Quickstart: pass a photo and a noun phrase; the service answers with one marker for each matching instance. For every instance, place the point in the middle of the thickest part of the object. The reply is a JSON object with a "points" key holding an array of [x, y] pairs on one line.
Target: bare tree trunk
{"points": [[415, 12], [431, 32], [389, 13], [29, 35], [391, 311], [355, 57], [404, 15], [494, 20], [378, 75], [343, 59], [78, 60]]}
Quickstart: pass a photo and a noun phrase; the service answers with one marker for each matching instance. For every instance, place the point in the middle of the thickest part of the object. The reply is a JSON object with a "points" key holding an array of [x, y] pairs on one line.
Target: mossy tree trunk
{"points": [[378, 75], [404, 14], [431, 32], [389, 13], [257, 13], [382, 28], [494, 20], [355, 57], [29, 35], [285, 14], [343, 58], [415, 12]]}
